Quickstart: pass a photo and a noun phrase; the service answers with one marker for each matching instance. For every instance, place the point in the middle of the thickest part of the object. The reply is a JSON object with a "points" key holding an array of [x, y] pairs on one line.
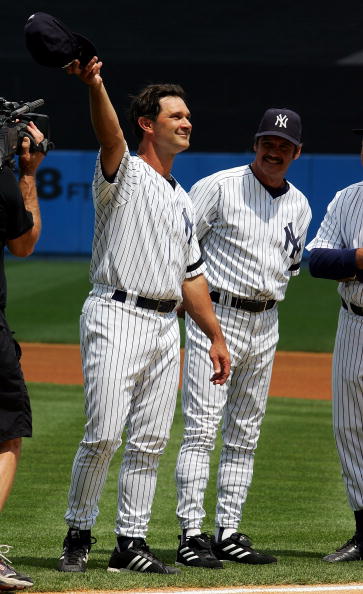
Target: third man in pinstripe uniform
{"points": [[337, 254], [251, 224]]}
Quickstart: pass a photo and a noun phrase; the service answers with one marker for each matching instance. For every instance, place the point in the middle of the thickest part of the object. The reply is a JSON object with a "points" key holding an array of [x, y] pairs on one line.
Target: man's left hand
{"points": [[221, 362]]}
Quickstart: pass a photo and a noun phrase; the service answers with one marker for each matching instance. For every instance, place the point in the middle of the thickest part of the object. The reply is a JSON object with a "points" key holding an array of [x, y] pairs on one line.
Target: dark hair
{"points": [[147, 103]]}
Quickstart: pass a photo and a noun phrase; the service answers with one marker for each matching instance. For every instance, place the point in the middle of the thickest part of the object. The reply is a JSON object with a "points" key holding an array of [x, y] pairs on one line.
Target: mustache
{"points": [[273, 159]]}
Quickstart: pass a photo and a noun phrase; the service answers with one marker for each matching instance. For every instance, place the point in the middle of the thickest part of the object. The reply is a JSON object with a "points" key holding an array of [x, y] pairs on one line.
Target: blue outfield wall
{"points": [[65, 177]]}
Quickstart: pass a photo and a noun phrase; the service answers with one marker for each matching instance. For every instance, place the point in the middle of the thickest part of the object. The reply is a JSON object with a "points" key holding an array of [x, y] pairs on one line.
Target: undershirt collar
{"points": [[274, 192], [172, 182]]}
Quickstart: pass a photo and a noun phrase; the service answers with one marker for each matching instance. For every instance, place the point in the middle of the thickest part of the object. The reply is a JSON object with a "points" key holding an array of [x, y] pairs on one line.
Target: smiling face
{"points": [[172, 127], [273, 157]]}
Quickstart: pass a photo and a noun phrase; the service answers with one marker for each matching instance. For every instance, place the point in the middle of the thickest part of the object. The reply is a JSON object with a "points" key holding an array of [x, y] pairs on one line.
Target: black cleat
{"points": [[196, 551], [10, 579], [238, 548], [347, 552], [135, 555], [77, 544]]}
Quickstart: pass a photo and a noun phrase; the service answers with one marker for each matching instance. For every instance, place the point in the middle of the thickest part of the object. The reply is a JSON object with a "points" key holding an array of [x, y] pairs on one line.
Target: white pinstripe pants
{"points": [[130, 360], [348, 403], [240, 402]]}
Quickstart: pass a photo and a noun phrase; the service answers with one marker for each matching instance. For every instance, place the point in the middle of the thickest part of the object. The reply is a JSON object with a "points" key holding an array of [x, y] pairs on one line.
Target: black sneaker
{"points": [[9, 578], [348, 552], [77, 544], [238, 548], [135, 555], [196, 551]]}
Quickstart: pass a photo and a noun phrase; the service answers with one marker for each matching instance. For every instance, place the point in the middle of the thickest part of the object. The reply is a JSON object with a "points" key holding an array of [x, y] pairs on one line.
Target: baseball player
{"points": [[337, 253], [145, 261], [20, 226], [251, 224]]}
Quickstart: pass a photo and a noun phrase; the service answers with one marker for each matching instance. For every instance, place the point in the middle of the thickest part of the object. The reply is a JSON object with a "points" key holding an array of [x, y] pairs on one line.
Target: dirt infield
{"points": [[295, 374]]}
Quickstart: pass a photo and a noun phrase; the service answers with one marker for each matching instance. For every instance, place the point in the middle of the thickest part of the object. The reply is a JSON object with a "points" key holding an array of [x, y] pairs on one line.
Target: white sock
{"points": [[223, 533], [191, 532]]}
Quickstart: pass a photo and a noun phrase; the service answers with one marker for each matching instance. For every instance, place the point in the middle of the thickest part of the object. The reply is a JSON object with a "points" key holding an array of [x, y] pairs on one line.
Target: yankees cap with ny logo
{"points": [[281, 122]]}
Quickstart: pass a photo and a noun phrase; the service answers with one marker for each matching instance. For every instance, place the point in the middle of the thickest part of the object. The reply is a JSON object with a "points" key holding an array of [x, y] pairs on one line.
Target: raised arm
{"points": [[28, 164], [103, 115]]}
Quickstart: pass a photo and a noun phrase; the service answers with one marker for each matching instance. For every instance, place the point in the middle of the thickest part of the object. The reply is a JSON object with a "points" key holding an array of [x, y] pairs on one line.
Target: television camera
{"points": [[13, 122]]}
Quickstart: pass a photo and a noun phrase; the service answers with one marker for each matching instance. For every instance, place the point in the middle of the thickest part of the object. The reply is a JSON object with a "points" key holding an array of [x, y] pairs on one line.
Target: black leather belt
{"points": [[160, 305], [355, 308], [247, 304]]}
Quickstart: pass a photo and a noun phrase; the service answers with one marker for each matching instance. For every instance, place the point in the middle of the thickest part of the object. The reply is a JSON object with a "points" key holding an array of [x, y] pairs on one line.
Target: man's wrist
{"points": [[359, 258], [23, 173]]}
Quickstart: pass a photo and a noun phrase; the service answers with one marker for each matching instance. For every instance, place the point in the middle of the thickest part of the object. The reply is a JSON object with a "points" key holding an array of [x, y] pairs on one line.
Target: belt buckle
{"points": [[228, 300], [163, 306], [159, 302]]}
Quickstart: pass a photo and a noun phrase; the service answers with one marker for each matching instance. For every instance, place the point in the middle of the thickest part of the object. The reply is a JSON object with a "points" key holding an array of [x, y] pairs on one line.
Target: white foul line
{"points": [[321, 588], [251, 590]]}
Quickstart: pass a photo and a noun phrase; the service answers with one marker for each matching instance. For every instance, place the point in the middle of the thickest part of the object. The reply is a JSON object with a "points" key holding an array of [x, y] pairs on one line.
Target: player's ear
{"points": [[145, 124], [297, 152]]}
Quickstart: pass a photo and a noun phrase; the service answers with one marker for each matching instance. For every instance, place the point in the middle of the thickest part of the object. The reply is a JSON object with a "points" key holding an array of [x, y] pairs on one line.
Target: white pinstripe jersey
{"points": [[251, 243], [342, 227], [144, 238]]}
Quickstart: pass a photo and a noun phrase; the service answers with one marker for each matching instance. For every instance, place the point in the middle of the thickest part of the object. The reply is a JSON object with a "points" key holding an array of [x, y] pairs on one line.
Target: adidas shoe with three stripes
{"points": [[133, 554], [195, 551], [238, 548]]}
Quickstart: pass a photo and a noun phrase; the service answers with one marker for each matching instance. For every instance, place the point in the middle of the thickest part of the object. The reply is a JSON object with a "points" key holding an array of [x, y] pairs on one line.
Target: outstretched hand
{"points": [[89, 74]]}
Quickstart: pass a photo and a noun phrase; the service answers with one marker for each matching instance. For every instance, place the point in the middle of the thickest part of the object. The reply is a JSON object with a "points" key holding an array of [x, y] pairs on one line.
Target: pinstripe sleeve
{"points": [[205, 196], [329, 233], [196, 265], [120, 190], [302, 225]]}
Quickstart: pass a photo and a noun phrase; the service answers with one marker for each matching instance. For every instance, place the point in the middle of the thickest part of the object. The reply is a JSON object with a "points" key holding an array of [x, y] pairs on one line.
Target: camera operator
{"points": [[20, 225]]}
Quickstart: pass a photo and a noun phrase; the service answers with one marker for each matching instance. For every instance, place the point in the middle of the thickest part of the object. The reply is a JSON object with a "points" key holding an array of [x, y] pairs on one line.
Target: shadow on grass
{"points": [[297, 554], [166, 555]]}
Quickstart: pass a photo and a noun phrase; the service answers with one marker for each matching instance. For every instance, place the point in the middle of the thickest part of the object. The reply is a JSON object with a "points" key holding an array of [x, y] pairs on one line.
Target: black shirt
{"points": [[15, 220]]}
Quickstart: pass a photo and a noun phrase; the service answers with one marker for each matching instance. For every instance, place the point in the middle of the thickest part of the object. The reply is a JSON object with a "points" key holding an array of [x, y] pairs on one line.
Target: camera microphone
{"points": [[27, 107]]}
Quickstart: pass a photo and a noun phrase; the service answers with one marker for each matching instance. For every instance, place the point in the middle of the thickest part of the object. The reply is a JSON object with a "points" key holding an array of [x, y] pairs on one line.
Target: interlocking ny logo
{"points": [[290, 238], [188, 225], [281, 120]]}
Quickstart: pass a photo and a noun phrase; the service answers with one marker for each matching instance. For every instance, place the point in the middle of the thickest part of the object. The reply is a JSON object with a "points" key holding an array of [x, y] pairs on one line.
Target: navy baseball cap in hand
{"points": [[281, 122], [52, 44]]}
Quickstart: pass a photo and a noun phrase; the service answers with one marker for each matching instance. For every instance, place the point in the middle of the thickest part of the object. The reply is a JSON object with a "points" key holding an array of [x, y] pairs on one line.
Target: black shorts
{"points": [[15, 412]]}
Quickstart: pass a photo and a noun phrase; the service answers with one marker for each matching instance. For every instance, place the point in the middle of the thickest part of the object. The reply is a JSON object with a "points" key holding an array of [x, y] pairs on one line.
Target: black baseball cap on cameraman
{"points": [[51, 43]]}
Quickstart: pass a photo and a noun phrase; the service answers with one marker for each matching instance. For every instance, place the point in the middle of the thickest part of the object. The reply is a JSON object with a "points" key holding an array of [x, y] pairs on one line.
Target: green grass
{"points": [[46, 296], [308, 315], [296, 508]]}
